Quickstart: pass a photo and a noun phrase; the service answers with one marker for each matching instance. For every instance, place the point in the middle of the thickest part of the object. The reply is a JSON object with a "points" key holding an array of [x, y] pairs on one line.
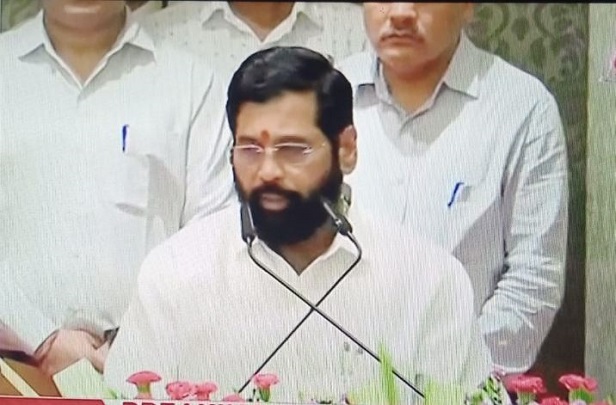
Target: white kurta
{"points": [[93, 176], [481, 169], [204, 311]]}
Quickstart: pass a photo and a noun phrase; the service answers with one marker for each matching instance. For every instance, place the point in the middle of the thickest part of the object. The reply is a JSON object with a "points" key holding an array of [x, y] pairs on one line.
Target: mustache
{"points": [[411, 32], [272, 189]]}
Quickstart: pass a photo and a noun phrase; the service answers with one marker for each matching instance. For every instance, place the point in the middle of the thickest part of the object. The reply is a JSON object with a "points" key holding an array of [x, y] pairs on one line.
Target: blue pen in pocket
{"points": [[124, 136], [454, 193]]}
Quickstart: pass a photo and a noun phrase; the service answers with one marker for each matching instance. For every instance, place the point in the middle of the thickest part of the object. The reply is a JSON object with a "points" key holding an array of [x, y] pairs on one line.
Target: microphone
{"points": [[248, 228], [343, 227]]}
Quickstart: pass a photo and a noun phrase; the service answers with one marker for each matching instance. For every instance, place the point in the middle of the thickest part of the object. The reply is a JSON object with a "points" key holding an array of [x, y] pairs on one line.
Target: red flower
{"points": [[203, 391], [265, 381], [233, 398], [553, 401], [178, 390], [526, 384], [577, 382]]}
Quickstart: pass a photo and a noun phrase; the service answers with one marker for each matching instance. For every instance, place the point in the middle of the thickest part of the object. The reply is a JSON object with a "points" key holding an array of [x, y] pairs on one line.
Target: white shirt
{"points": [[79, 206], [204, 312], [151, 7], [212, 30], [15, 12], [481, 169]]}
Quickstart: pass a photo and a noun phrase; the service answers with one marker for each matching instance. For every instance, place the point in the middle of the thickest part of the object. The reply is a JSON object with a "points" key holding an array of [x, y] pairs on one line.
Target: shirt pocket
{"points": [[127, 176]]}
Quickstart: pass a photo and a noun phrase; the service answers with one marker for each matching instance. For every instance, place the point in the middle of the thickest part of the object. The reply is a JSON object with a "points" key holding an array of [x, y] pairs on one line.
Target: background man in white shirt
{"points": [[225, 33], [127, 145], [205, 311], [469, 151], [15, 12]]}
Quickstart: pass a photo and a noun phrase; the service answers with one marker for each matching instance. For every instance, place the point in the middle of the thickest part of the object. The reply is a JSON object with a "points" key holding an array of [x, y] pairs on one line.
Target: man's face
{"points": [[283, 186], [407, 36], [83, 14]]}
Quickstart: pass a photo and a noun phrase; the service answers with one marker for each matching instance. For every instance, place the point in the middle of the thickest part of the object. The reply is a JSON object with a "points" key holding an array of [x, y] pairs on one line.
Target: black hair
{"points": [[269, 73]]}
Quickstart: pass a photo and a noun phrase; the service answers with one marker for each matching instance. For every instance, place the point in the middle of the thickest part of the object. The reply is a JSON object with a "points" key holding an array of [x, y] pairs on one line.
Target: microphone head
{"points": [[342, 224], [249, 234]]}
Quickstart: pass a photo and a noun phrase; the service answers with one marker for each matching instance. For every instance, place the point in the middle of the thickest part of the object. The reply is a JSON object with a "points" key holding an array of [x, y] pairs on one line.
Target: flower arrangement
{"points": [[186, 390], [581, 391], [491, 392]]}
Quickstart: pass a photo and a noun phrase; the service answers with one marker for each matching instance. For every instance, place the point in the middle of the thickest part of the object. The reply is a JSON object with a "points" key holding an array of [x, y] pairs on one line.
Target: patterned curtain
{"points": [[17, 11], [550, 41]]}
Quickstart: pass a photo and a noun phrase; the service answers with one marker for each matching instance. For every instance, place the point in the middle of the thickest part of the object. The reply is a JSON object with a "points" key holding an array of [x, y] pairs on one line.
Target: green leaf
{"points": [[264, 394], [388, 381], [583, 395], [442, 394]]}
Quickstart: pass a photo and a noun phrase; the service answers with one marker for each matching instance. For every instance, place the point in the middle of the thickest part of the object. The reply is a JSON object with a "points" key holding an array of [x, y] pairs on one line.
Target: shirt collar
{"points": [[307, 9], [463, 71], [34, 35], [462, 74]]}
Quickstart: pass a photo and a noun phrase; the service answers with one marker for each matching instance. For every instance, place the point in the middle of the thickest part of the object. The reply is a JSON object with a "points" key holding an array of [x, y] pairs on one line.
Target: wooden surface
{"points": [[6, 388], [40, 383]]}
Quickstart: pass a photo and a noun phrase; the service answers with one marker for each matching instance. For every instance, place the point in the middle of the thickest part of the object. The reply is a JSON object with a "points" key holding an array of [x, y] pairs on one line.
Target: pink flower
{"points": [[265, 381], [577, 382], [143, 380], [526, 384], [203, 391], [553, 401], [233, 398], [179, 390]]}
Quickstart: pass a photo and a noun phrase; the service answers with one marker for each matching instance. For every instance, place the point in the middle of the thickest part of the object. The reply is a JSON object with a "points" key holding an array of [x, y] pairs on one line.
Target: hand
{"points": [[65, 347], [98, 361]]}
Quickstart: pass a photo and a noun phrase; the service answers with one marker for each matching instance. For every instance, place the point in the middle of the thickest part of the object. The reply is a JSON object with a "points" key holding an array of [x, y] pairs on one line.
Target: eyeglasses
{"points": [[290, 153]]}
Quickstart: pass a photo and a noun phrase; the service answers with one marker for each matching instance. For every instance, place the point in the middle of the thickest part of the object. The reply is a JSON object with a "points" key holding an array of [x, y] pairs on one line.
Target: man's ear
{"points": [[347, 149]]}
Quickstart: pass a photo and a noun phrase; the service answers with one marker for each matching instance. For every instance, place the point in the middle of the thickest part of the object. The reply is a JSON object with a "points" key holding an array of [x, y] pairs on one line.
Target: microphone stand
{"points": [[344, 228]]}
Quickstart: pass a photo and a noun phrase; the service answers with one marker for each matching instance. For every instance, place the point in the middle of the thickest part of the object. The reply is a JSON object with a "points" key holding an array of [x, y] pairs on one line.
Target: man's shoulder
{"points": [[161, 24], [200, 242], [190, 72], [504, 77], [357, 67], [348, 9], [219, 225], [7, 45], [14, 40], [196, 254], [169, 53]]}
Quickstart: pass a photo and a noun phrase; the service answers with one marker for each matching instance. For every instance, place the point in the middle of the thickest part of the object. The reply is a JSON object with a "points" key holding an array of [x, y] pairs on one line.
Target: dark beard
{"points": [[302, 216]]}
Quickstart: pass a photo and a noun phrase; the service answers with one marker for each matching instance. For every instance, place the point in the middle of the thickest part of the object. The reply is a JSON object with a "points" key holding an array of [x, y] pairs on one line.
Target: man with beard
{"points": [[205, 311]]}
